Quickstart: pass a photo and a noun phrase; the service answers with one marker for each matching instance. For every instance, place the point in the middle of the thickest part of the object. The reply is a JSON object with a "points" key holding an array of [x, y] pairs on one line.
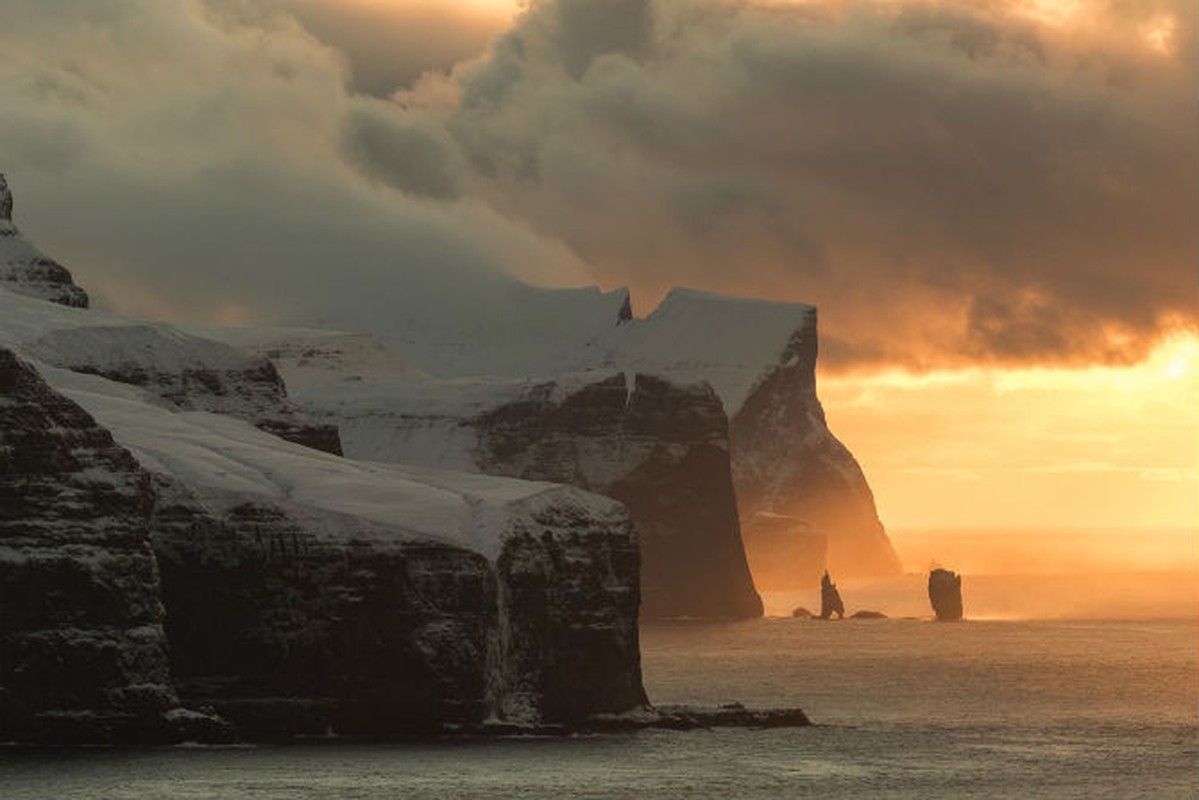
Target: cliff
{"points": [[303, 592], [803, 501], [83, 654], [786, 462], [662, 450]]}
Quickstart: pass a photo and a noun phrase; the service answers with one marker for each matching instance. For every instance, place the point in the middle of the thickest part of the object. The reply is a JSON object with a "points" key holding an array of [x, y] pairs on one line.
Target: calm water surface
{"points": [[904, 708]]}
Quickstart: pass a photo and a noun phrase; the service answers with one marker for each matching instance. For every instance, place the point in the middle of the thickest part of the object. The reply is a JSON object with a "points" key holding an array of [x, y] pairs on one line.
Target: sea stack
{"points": [[945, 593], [830, 599]]}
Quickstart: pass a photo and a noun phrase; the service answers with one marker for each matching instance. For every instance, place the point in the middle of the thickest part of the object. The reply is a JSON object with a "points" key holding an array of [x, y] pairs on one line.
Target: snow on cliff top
{"points": [[86, 337], [730, 343], [228, 458]]}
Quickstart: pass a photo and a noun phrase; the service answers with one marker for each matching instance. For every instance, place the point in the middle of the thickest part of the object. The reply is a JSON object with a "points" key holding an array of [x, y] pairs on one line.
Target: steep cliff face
{"points": [[659, 448], [26, 270], [287, 631], [308, 593], [786, 462], [304, 592], [83, 656]]}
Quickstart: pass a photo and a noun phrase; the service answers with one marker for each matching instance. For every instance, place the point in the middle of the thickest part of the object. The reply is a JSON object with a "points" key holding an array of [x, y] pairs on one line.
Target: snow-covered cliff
{"points": [[803, 500], [303, 592], [83, 654]]}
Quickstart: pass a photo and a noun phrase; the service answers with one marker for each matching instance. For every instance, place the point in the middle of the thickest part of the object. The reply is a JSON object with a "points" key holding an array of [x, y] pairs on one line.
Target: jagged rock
{"points": [[945, 594], [802, 613], [830, 599], [26, 270], [83, 656]]}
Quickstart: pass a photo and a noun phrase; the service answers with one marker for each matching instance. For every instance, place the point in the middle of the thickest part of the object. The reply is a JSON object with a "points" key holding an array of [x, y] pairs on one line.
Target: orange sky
{"points": [[1099, 447]]}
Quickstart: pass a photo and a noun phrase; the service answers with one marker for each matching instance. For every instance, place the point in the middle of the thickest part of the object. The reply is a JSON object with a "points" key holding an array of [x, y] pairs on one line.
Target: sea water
{"points": [[1003, 708]]}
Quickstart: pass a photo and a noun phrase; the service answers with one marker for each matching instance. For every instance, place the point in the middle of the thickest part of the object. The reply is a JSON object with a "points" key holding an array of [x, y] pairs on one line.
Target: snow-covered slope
{"points": [[25, 269], [182, 371], [226, 461]]}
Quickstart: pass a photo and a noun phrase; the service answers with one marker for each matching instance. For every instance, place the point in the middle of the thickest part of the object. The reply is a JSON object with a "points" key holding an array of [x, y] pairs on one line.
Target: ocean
{"points": [[904, 708]]}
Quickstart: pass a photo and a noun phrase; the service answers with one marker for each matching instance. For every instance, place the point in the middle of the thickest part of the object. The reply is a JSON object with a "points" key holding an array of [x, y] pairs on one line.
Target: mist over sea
{"points": [[1057, 686]]}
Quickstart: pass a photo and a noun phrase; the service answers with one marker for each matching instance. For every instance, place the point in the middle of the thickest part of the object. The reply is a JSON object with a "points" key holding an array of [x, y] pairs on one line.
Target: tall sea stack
{"points": [[945, 593]]}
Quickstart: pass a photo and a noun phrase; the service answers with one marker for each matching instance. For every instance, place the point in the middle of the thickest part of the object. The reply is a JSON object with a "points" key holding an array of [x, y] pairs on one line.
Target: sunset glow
{"points": [[1097, 447]]}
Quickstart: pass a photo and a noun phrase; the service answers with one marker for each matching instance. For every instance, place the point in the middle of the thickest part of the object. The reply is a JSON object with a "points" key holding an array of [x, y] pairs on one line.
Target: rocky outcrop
{"points": [[83, 656], [830, 599], [659, 448], [26, 270], [945, 594]]}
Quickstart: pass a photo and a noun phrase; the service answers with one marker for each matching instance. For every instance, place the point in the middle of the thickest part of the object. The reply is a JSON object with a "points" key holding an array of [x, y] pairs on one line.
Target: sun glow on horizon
{"points": [[1034, 446]]}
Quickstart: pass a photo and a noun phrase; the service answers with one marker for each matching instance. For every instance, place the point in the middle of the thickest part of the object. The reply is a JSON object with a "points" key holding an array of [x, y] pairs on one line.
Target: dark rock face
{"points": [[830, 599], [83, 657], [945, 594], [289, 620], [567, 639], [662, 450], [285, 632], [786, 462], [189, 373], [25, 270]]}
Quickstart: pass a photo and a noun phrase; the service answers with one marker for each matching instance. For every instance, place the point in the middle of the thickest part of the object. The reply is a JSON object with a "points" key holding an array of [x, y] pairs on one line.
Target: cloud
{"points": [[948, 181], [196, 166], [387, 44], [951, 182]]}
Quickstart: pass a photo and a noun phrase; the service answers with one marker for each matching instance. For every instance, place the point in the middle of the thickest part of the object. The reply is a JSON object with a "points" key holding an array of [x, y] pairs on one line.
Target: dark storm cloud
{"points": [[198, 166], [947, 180]]}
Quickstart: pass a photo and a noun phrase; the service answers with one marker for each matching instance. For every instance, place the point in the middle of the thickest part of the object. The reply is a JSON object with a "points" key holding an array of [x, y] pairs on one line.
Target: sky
{"points": [[993, 204]]}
